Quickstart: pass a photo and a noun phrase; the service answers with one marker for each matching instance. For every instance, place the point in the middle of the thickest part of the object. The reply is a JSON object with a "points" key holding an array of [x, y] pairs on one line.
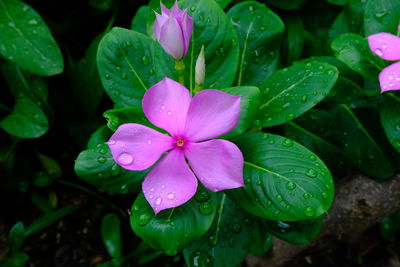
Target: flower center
{"points": [[180, 143]]}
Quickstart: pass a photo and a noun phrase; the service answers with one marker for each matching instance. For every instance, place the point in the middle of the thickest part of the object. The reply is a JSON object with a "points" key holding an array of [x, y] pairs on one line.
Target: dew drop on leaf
{"points": [[311, 173], [201, 259], [309, 211], [143, 218]]}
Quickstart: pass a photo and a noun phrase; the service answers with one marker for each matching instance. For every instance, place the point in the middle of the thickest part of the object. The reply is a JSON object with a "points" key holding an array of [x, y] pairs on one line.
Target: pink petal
{"points": [[218, 164], [166, 104], [385, 45], [164, 9], [171, 38], [187, 29], [170, 183], [389, 78], [158, 23], [136, 147], [212, 113]]}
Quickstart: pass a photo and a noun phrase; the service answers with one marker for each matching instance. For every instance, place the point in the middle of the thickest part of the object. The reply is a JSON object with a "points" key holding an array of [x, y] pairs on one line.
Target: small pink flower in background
{"points": [[173, 29], [191, 122], [387, 46]]}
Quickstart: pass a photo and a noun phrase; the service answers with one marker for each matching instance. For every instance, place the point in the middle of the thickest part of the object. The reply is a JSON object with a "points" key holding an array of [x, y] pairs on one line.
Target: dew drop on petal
{"points": [[171, 196], [149, 142], [151, 189], [169, 113], [125, 158], [378, 51], [158, 201], [163, 107], [163, 186], [111, 142]]}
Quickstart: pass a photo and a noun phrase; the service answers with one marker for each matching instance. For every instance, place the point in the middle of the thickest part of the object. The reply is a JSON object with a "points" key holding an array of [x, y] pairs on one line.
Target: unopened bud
{"points": [[200, 68]]}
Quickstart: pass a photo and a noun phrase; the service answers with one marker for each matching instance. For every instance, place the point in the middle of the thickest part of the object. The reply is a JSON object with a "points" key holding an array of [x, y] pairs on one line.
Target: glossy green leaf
{"points": [[227, 241], [260, 34], [26, 40], [352, 137], [17, 260], [101, 4], [354, 51], [50, 166], [129, 63], [299, 233], [345, 91], [96, 166], [111, 234], [139, 21], [174, 229], [287, 4], [294, 39], [292, 91], [48, 219], [223, 3], [213, 29], [283, 180], [261, 241], [338, 2], [16, 237], [381, 16], [308, 130], [389, 112], [27, 120], [41, 202], [85, 79], [351, 19], [144, 253], [250, 101], [117, 117]]}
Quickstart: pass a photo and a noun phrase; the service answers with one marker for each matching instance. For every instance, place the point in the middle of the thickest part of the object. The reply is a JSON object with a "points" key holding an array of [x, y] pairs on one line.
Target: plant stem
{"points": [[180, 69], [197, 88]]}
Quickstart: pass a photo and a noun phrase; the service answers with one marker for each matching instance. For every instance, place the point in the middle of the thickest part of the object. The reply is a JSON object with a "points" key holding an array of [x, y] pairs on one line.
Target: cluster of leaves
{"points": [[310, 106]]}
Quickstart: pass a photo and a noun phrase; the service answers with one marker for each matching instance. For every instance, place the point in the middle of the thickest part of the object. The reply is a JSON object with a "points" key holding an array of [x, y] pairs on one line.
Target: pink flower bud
{"points": [[173, 29]]}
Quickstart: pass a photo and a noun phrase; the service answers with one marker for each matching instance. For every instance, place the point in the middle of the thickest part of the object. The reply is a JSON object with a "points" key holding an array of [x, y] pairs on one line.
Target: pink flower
{"points": [[173, 29], [387, 46], [191, 123]]}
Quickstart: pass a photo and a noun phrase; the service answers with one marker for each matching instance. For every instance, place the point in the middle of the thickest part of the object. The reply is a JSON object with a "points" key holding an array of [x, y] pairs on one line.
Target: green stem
{"points": [[197, 88], [180, 69]]}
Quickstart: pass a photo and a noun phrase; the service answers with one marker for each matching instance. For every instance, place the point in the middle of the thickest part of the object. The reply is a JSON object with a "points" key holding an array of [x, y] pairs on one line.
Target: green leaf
{"points": [[51, 166], [261, 241], [139, 21], [16, 237], [351, 136], [283, 180], [48, 219], [260, 34], [389, 112], [223, 3], [298, 233], [250, 101], [337, 2], [174, 229], [294, 40], [381, 16], [85, 79], [117, 117], [111, 234], [287, 4], [26, 40], [129, 63], [213, 29], [100, 136], [27, 120], [41, 202], [354, 51], [345, 91], [292, 91], [227, 241], [144, 253], [17, 260], [101, 4], [309, 131], [96, 166], [349, 20]]}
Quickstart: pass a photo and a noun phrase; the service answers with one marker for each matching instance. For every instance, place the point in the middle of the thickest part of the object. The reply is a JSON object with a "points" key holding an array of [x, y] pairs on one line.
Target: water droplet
{"points": [[396, 143], [276, 213], [163, 107], [205, 208], [101, 159], [259, 182], [286, 105], [311, 173], [231, 242], [158, 201], [287, 142], [324, 195], [290, 117], [163, 186], [247, 181], [169, 113], [145, 61], [115, 170], [193, 8], [309, 211], [264, 136], [11, 24], [124, 76], [25, 8], [380, 14], [279, 198], [237, 228], [33, 22], [202, 196], [378, 51], [306, 195], [149, 142], [290, 185], [397, 127], [151, 71], [271, 142], [304, 99], [143, 219], [128, 44], [123, 189], [125, 158], [312, 157], [328, 186], [213, 240], [171, 196], [201, 259], [269, 203]]}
